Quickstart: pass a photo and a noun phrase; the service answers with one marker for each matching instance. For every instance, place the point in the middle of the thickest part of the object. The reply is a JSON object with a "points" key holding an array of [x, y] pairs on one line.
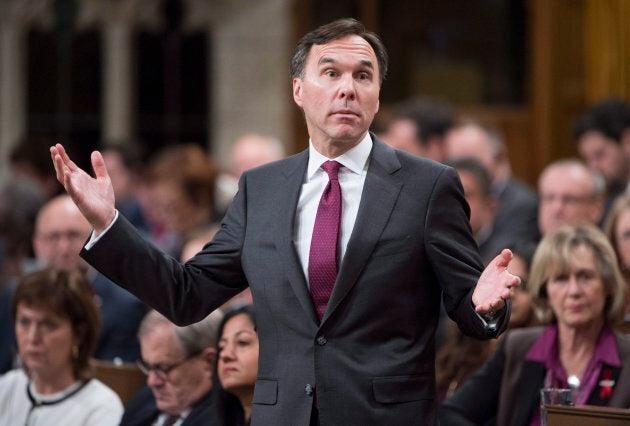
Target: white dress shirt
{"points": [[352, 175]]}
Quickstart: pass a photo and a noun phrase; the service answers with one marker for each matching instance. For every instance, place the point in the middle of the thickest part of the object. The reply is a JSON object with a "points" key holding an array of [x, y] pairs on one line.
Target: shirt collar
{"points": [[354, 159]]}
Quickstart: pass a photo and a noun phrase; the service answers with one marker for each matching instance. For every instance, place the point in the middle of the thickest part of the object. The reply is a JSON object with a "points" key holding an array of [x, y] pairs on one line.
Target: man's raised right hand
{"points": [[94, 196]]}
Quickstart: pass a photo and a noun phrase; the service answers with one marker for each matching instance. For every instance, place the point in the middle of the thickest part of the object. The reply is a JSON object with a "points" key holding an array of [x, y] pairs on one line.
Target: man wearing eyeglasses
{"points": [[179, 364], [569, 193]]}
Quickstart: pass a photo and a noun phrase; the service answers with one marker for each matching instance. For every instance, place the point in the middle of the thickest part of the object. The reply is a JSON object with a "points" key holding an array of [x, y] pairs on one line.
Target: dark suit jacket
{"points": [[121, 314], [371, 359], [506, 390], [142, 411], [8, 347], [516, 220]]}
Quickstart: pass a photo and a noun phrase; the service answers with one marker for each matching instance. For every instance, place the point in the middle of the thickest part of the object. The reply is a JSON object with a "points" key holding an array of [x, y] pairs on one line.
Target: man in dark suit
{"points": [[179, 363], [357, 350], [516, 203]]}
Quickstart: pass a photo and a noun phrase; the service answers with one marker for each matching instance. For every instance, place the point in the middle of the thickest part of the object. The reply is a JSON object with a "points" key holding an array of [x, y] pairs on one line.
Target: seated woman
{"points": [[578, 291], [56, 325], [617, 229], [238, 363]]}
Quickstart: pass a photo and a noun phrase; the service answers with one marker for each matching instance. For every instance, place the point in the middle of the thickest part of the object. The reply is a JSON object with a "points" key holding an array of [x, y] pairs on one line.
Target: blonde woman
{"points": [[578, 292]]}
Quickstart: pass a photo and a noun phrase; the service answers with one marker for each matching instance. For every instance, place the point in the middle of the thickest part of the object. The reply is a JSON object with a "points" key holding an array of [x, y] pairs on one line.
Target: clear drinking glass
{"points": [[555, 396]]}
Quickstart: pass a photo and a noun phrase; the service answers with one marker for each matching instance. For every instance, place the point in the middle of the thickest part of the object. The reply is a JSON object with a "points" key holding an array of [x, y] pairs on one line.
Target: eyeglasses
{"points": [[55, 237], [565, 199], [163, 370]]}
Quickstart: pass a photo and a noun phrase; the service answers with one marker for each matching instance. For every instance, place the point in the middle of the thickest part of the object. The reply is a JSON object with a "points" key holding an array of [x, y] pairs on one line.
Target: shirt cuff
{"points": [[95, 238], [490, 322]]}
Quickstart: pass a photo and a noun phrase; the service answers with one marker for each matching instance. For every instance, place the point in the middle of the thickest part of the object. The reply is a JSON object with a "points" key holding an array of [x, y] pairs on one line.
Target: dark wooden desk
{"points": [[586, 415]]}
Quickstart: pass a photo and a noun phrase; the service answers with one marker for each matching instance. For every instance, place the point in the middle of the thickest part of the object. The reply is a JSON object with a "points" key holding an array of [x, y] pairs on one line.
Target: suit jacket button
{"points": [[308, 389], [321, 341]]}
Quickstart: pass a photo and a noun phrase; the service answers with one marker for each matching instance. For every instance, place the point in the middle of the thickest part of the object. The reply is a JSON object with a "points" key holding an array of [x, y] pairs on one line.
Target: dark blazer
{"points": [[142, 411], [8, 347], [121, 314], [371, 359], [506, 390], [516, 220]]}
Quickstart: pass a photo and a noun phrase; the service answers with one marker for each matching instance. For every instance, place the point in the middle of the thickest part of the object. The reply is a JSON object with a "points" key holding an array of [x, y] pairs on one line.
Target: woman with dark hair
{"points": [[56, 326], [237, 365]]}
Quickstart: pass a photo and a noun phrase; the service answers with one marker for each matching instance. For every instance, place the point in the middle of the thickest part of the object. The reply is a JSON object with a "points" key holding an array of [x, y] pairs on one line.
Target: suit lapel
{"points": [[380, 192], [287, 200]]}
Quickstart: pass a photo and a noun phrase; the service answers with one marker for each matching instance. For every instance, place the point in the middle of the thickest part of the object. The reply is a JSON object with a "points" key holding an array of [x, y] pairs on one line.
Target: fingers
{"points": [[487, 308], [61, 161], [504, 258], [56, 159], [98, 164], [65, 158]]}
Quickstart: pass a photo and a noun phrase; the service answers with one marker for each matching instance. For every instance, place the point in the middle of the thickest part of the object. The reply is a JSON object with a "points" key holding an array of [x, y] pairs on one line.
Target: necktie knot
{"points": [[332, 168]]}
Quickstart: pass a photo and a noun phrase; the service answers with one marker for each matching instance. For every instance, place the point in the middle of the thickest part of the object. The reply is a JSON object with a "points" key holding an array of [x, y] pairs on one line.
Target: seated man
{"points": [[60, 231], [179, 364]]}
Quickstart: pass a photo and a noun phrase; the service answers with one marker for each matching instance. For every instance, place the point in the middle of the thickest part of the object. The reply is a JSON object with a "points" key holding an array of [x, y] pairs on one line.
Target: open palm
{"points": [[495, 284], [94, 196]]}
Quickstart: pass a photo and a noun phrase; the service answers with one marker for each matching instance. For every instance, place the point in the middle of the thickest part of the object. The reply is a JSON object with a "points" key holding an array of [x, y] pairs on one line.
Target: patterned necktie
{"points": [[170, 420], [322, 261]]}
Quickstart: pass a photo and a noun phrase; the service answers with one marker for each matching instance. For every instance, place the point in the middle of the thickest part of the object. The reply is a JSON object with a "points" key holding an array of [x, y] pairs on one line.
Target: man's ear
{"points": [[297, 91], [209, 355]]}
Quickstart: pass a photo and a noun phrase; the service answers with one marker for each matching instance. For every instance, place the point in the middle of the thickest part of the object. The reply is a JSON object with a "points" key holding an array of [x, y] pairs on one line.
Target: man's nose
{"points": [[153, 380], [347, 89]]}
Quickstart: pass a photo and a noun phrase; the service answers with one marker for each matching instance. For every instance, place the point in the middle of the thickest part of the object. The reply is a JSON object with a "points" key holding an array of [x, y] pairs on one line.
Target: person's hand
{"points": [[495, 285], [93, 196]]}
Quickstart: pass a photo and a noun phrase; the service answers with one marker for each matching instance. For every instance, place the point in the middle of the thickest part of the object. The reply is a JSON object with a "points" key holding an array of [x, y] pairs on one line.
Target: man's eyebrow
{"points": [[328, 60]]}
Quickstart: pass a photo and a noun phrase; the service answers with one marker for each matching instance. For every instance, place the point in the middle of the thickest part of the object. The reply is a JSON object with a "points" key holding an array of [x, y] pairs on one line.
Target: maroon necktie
{"points": [[322, 261], [170, 420]]}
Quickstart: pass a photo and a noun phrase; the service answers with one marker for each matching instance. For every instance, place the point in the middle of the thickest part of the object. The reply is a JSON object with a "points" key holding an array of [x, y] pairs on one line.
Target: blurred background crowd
{"points": [[527, 100]]}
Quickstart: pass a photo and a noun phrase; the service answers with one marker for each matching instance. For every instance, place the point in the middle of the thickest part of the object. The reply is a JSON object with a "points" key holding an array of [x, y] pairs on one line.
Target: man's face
{"points": [[188, 378], [566, 198], [60, 232], [338, 92], [604, 156], [481, 205], [471, 142], [402, 134]]}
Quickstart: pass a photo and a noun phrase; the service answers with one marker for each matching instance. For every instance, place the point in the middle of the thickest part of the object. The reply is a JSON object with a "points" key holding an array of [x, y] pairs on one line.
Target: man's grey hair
{"points": [[598, 184], [193, 338]]}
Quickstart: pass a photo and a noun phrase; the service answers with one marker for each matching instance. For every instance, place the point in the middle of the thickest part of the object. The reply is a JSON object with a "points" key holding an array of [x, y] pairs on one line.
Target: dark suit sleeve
{"points": [[476, 402], [454, 254], [183, 293]]}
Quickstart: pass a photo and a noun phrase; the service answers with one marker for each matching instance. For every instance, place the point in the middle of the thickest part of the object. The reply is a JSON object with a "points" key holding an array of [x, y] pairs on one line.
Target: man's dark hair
{"points": [[433, 117], [475, 168], [334, 31], [610, 117]]}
